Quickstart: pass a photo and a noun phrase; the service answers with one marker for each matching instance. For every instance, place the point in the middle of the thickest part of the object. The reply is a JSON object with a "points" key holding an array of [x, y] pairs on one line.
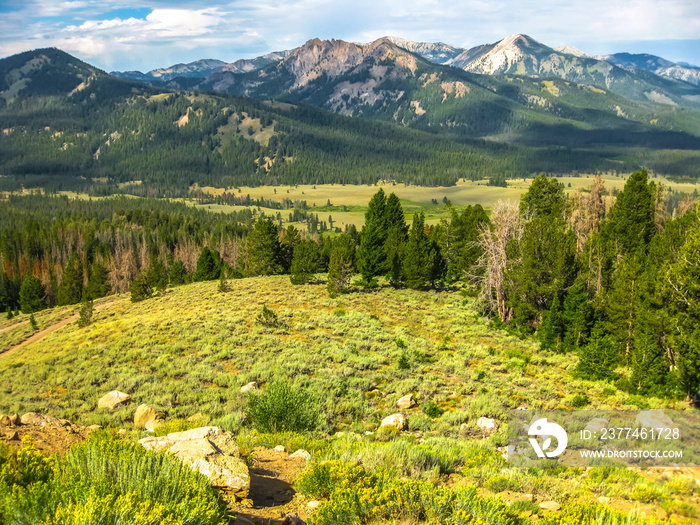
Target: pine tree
{"points": [[397, 234], [223, 282], [631, 220], [290, 240], [86, 310], [70, 291], [263, 248], [32, 295], [305, 262], [371, 256], [599, 357], [207, 267], [98, 282], [418, 258], [649, 369], [340, 267], [178, 273], [552, 328], [576, 317], [141, 288], [545, 197], [32, 323]]}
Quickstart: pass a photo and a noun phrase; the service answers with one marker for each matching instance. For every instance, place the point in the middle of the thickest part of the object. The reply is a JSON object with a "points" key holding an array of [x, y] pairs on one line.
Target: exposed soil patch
{"points": [[272, 496], [50, 435]]}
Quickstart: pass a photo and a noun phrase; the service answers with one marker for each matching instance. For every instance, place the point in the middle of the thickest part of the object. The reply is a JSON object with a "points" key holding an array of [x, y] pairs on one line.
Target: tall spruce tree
{"points": [[550, 332], [577, 317], [305, 262], [263, 247], [207, 267], [32, 295], [599, 357], [397, 234], [98, 282], [340, 266], [371, 256], [418, 258], [70, 291]]}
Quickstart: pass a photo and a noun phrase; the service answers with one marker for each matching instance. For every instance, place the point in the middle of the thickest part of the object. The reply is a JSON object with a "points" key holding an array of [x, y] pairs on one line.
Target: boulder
{"points": [[550, 506], [301, 453], [406, 402], [93, 428], [313, 504], [280, 448], [144, 414], [394, 420], [12, 436], [153, 424], [211, 451], [196, 417], [15, 420], [597, 424], [113, 399], [487, 425], [5, 420], [32, 418], [249, 387], [654, 419]]}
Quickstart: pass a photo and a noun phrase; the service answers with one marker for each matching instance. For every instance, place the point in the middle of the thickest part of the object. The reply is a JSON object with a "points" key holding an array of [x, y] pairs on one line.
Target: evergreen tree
{"points": [[178, 273], [649, 368], [631, 220], [599, 357], [141, 288], [371, 256], [397, 233], [552, 328], [340, 267], [418, 258], [305, 262], [263, 249], [98, 283], [158, 275], [223, 282], [291, 239], [207, 267], [32, 295], [70, 291], [545, 197], [576, 317], [86, 310], [32, 323]]}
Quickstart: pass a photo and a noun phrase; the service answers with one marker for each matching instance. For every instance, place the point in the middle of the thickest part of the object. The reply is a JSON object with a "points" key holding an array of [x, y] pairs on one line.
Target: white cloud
{"points": [[230, 29]]}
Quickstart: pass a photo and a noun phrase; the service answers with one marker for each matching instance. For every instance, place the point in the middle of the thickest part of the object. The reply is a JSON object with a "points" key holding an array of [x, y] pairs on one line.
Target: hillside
{"points": [[192, 349]]}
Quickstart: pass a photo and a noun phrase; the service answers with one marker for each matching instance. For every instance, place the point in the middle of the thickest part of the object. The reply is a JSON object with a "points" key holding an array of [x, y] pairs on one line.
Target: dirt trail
{"points": [[38, 336], [5, 329]]}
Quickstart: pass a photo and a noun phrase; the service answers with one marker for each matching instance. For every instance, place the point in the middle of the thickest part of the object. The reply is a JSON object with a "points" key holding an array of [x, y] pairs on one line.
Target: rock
{"points": [[313, 505], [12, 436], [529, 497], [121, 431], [522, 408], [463, 429], [15, 420], [93, 428], [293, 519], [394, 420], [195, 417], [32, 418], [64, 423], [550, 506], [249, 387], [406, 402], [604, 500], [301, 453], [113, 399], [597, 424], [5, 420], [654, 419], [153, 424], [211, 451], [279, 448], [487, 425], [144, 414]]}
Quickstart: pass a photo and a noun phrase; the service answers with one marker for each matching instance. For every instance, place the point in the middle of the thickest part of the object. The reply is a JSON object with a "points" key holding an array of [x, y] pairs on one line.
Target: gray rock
{"points": [[487, 425], [144, 413], [406, 402], [394, 420], [209, 450], [301, 453], [654, 419], [597, 424], [113, 399], [153, 424], [550, 506], [32, 418], [249, 387]]}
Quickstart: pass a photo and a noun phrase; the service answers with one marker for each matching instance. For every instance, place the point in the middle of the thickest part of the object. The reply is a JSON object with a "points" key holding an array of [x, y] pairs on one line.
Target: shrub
{"points": [[85, 313], [104, 481], [432, 410], [140, 288], [32, 322], [580, 400], [402, 362], [501, 483], [268, 318], [283, 408]]}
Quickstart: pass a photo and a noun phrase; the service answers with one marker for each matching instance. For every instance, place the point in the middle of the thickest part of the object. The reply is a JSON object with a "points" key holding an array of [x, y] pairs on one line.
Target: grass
{"points": [[190, 350]]}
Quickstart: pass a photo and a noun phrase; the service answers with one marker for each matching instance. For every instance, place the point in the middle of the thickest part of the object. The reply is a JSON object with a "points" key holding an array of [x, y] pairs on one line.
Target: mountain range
{"points": [[421, 112]]}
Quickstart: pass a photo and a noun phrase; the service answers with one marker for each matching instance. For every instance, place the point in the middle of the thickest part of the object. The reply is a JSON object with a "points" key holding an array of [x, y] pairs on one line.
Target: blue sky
{"points": [[142, 35]]}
